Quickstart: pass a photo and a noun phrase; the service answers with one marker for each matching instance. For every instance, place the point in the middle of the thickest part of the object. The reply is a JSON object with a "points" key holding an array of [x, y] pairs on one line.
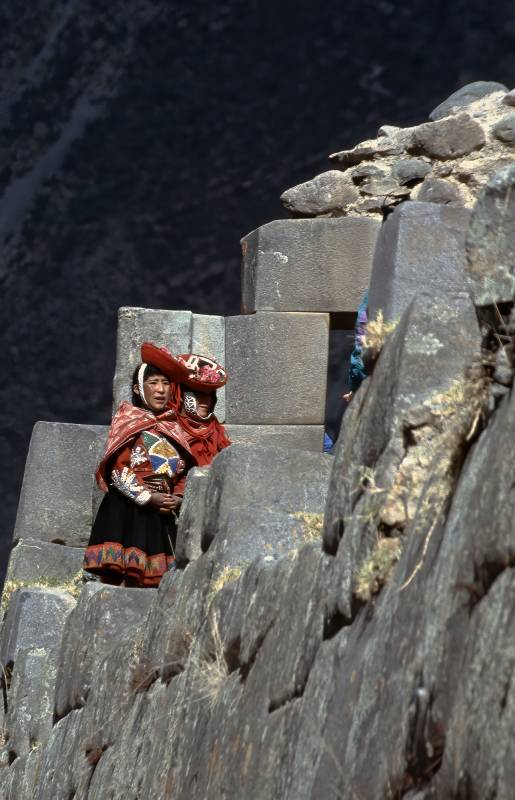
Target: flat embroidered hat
{"points": [[192, 370]]}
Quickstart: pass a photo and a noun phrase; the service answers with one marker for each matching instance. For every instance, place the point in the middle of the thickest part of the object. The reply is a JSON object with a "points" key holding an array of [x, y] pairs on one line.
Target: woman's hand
{"points": [[347, 397], [165, 503]]}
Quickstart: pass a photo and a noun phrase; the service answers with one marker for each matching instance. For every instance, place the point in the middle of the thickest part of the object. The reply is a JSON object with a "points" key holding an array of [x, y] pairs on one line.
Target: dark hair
{"points": [[149, 371]]}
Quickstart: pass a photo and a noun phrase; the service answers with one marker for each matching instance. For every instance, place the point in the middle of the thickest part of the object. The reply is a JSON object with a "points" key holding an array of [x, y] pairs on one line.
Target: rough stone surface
{"points": [[30, 714], [33, 562], [421, 248], [509, 99], [262, 500], [464, 97], [410, 170], [35, 618], [60, 464], [450, 137], [504, 130], [283, 262], [326, 192], [267, 354], [491, 242], [189, 529], [101, 619], [437, 190], [301, 437]]}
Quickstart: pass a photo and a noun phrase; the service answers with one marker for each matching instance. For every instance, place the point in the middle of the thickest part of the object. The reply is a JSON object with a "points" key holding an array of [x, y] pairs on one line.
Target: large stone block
{"points": [[277, 364], [421, 247], [103, 617], [32, 562], [189, 529], [56, 495], [491, 242], [260, 500], [30, 703], [35, 618], [296, 437], [170, 329], [180, 331], [308, 264]]}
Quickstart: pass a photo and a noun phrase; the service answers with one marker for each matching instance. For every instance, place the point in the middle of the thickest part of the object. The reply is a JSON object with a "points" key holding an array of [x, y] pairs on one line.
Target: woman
{"points": [[194, 398], [146, 460]]}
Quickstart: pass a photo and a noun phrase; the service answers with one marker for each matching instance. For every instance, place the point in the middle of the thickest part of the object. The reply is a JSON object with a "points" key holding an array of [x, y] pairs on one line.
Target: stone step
{"points": [[56, 499], [421, 248], [308, 264], [35, 618], [34, 562], [277, 365], [262, 501], [180, 331]]}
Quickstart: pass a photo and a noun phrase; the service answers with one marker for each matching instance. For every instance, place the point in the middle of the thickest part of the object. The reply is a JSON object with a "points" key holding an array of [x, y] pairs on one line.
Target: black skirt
{"points": [[131, 542]]}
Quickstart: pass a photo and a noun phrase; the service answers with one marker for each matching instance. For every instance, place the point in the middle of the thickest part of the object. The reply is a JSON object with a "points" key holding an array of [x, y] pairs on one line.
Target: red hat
{"points": [[194, 371]]}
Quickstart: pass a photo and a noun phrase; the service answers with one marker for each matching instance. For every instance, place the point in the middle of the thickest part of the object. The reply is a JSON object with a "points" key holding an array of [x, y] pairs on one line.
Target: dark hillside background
{"points": [[140, 140]]}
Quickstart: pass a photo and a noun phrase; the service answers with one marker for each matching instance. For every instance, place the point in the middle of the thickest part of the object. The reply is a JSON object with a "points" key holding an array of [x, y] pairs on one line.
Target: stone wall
{"points": [[340, 626]]}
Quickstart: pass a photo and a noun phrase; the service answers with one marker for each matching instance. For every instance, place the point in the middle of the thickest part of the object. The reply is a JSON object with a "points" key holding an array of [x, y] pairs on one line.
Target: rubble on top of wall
{"points": [[447, 160]]}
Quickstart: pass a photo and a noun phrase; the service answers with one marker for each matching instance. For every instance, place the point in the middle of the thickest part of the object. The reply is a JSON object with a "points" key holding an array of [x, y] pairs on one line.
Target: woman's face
{"points": [[204, 401], [157, 392]]}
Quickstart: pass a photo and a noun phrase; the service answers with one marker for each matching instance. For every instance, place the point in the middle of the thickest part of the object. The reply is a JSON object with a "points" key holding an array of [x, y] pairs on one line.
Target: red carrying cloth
{"points": [[131, 420], [205, 439]]}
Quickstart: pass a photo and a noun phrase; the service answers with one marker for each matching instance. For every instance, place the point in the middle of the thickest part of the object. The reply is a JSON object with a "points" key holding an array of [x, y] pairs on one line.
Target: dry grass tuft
{"points": [[73, 587], [211, 668], [313, 525], [375, 570], [227, 575], [376, 333]]}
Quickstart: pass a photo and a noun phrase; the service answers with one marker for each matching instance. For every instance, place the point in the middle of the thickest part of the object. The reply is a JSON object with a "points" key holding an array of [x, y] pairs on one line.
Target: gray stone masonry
{"points": [[56, 495], [302, 437], [307, 264], [180, 331], [256, 480], [54, 564], [421, 248], [277, 363], [491, 242], [464, 97], [189, 529], [35, 618]]}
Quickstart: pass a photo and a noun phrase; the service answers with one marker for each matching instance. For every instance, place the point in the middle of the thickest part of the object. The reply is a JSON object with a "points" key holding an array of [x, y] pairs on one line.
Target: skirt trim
{"points": [[110, 557]]}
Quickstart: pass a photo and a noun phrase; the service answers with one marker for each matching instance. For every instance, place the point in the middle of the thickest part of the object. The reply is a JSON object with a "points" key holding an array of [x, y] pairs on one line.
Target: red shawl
{"points": [[205, 439], [128, 422]]}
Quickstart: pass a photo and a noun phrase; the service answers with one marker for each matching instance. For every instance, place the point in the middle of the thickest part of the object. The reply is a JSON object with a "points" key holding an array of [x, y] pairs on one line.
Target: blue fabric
{"points": [[328, 443], [357, 372]]}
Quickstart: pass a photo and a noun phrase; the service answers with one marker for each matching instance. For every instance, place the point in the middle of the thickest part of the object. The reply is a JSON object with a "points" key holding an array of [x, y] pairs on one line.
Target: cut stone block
{"points": [[31, 699], [421, 248], [56, 495], [491, 242], [294, 437], [32, 562], [308, 264], [170, 329], [249, 484], [35, 618], [208, 339], [180, 331], [277, 364], [103, 617], [189, 530]]}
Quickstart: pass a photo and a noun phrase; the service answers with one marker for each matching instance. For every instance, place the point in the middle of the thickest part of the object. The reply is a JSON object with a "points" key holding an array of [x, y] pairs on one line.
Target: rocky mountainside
{"points": [[338, 627], [139, 141]]}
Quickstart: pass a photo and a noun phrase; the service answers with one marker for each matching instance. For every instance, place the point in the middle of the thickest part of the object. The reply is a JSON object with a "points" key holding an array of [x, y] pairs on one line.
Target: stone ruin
{"points": [[340, 627]]}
